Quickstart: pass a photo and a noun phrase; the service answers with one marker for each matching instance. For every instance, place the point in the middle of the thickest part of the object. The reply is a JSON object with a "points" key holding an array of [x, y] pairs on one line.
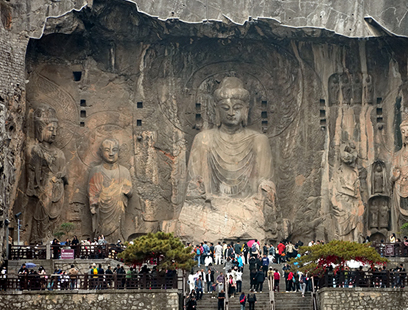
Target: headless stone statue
{"points": [[46, 175], [109, 189], [230, 192]]}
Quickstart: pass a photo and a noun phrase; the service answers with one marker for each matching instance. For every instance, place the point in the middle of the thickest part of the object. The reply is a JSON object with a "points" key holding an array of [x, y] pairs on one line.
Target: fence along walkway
{"points": [[89, 282], [80, 251], [350, 279]]}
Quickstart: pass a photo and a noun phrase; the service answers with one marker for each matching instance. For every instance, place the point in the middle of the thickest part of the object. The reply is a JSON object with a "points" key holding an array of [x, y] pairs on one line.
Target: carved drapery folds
{"points": [[229, 166], [46, 175], [109, 189]]}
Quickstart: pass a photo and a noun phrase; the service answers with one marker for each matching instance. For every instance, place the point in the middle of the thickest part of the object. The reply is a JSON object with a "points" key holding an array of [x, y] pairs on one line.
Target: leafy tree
{"points": [[64, 229], [318, 258], [169, 251], [404, 229]]}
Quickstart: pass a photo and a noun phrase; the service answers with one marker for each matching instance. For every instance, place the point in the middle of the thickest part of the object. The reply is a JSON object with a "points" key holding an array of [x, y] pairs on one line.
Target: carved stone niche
{"points": [[379, 215], [378, 178], [350, 89]]}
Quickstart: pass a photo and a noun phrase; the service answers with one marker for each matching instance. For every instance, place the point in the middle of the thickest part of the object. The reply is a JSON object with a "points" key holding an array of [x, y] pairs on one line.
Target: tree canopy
{"points": [[318, 258], [169, 251]]}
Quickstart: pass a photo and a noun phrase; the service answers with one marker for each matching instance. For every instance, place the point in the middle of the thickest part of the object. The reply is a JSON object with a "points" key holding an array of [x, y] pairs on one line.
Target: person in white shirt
{"points": [[207, 261], [218, 254]]}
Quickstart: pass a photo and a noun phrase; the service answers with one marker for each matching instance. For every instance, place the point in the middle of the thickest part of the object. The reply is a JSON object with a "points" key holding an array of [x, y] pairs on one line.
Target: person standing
{"points": [[209, 279], [238, 280], [221, 297], [242, 300], [265, 264], [218, 254], [302, 282], [251, 300], [276, 277], [260, 278], [220, 282], [199, 287], [237, 248]]}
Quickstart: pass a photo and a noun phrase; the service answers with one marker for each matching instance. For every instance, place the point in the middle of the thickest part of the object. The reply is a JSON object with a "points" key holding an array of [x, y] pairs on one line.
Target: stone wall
{"points": [[362, 298], [318, 93], [83, 300]]}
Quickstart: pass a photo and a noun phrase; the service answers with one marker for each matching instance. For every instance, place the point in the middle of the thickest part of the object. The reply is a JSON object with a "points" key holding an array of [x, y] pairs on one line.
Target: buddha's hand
{"points": [[93, 208], [267, 190]]}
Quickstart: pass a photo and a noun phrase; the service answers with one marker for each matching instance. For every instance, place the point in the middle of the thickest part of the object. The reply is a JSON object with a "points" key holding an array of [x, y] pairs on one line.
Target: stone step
{"points": [[293, 301], [211, 303]]}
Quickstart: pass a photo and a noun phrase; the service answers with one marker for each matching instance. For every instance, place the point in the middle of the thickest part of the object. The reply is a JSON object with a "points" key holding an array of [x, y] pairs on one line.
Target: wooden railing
{"points": [[80, 251], [89, 282], [398, 249], [377, 279]]}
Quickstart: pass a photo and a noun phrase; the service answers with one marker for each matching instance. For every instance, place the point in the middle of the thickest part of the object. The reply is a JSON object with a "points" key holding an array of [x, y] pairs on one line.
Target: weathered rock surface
{"points": [[111, 70]]}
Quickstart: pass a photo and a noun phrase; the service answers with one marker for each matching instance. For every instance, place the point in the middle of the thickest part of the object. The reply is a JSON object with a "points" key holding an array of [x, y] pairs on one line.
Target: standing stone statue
{"points": [[46, 175], [230, 193], [109, 189], [399, 181], [348, 198]]}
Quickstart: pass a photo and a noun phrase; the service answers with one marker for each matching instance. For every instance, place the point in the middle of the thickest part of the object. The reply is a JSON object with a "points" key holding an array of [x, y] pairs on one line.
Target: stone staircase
{"points": [[283, 300], [293, 301]]}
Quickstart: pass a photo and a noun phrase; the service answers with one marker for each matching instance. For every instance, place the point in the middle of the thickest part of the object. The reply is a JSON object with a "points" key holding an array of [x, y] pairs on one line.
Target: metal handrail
{"points": [[226, 300], [271, 283], [313, 293]]}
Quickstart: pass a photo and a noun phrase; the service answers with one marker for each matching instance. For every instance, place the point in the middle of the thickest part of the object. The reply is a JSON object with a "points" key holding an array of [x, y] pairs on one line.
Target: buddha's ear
{"points": [[245, 117], [217, 117]]}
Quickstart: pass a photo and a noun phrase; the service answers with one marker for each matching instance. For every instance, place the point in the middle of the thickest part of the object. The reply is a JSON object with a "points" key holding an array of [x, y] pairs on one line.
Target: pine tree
{"points": [[318, 258], [169, 251]]}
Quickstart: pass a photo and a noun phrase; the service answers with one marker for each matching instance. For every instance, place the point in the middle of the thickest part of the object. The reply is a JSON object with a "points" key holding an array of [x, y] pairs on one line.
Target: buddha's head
{"points": [[109, 150], [232, 103], [45, 124]]}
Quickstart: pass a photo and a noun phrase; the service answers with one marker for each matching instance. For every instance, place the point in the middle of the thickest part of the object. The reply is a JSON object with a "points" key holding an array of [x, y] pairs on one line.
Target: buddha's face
{"points": [[49, 132], [404, 134], [110, 151], [232, 111]]}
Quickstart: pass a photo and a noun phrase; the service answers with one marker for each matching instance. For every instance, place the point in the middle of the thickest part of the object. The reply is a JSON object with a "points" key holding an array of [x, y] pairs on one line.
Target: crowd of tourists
{"points": [[251, 259], [87, 248]]}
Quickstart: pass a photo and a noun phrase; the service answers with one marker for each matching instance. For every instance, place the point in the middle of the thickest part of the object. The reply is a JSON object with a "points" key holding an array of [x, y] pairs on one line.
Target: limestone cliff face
{"points": [[329, 101]]}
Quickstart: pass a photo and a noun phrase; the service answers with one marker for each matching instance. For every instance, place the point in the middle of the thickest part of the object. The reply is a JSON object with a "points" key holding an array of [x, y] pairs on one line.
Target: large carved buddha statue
{"points": [[230, 193], [229, 160]]}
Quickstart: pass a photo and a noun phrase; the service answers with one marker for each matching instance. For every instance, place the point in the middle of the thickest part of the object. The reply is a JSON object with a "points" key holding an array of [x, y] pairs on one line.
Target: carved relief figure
{"points": [[399, 180], [378, 178], [346, 88], [230, 160], [374, 210], [348, 201], [334, 89], [379, 215], [109, 189], [46, 175], [384, 216]]}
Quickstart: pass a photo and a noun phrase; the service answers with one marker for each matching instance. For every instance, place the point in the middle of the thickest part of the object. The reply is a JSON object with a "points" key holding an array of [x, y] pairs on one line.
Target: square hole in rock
{"points": [[139, 122], [77, 75]]}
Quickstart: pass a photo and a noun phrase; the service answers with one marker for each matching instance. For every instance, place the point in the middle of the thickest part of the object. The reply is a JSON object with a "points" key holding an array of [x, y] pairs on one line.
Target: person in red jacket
{"points": [[276, 277], [281, 249]]}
